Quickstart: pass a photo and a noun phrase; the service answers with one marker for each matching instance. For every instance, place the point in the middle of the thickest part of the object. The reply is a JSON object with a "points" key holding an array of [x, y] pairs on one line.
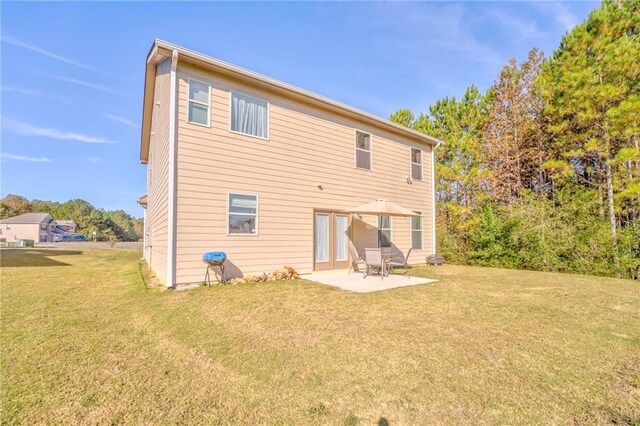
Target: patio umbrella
{"points": [[382, 208]]}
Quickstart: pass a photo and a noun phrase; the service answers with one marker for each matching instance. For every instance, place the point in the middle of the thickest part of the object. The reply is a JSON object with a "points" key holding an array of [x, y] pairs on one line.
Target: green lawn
{"points": [[84, 341]]}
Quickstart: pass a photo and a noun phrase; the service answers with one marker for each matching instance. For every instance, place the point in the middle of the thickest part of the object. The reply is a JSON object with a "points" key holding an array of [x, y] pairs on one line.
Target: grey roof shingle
{"points": [[28, 218]]}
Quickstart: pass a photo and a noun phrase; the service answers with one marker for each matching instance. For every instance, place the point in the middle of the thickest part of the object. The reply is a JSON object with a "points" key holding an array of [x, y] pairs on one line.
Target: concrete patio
{"points": [[358, 283]]}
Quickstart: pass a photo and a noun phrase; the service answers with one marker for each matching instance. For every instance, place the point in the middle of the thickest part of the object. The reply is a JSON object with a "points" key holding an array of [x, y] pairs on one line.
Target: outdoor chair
{"points": [[373, 260], [399, 262], [356, 259]]}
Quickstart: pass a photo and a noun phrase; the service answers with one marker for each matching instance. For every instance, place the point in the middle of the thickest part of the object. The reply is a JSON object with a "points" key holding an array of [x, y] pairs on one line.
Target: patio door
{"points": [[331, 240]]}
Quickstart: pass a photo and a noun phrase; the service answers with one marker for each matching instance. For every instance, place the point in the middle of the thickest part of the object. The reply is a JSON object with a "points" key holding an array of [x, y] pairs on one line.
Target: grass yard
{"points": [[85, 342]]}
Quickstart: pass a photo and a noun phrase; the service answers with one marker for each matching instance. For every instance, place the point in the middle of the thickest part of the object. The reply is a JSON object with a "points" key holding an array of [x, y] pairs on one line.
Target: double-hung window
{"points": [[363, 150], [384, 231], [416, 164], [249, 116], [199, 103], [243, 214], [416, 231]]}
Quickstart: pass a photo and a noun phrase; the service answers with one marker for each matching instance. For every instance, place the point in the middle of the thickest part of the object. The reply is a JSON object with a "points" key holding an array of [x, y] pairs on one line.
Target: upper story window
{"points": [[384, 231], [363, 150], [43, 226], [416, 231], [199, 103], [249, 116], [243, 214], [416, 164], [8, 227]]}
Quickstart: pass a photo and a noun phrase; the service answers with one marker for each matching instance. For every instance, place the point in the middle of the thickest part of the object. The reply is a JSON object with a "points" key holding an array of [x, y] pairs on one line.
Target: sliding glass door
{"points": [[331, 240]]}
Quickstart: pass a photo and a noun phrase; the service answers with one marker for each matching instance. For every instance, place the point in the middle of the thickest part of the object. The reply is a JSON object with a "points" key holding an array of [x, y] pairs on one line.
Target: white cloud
{"points": [[521, 28], [36, 92], [421, 27], [19, 43], [64, 100], [560, 12], [94, 159], [91, 85], [122, 120], [22, 91], [25, 129], [25, 158]]}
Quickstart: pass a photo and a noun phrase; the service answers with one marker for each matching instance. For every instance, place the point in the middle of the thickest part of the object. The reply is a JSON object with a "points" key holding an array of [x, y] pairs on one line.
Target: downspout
{"points": [[433, 199], [144, 234], [173, 153]]}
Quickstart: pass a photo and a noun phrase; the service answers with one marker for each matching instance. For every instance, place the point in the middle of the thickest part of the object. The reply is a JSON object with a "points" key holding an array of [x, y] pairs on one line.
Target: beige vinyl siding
{"points": [[22, 231], [157, 203], [306, 147]]}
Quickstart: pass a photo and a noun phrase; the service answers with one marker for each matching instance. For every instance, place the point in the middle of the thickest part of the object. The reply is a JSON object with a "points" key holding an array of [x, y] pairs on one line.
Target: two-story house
{"points": [[39, 227], [263, 170]]}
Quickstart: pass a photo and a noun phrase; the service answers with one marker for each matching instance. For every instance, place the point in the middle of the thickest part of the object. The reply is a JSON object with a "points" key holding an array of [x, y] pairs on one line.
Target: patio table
{"points": [[387, 256]]}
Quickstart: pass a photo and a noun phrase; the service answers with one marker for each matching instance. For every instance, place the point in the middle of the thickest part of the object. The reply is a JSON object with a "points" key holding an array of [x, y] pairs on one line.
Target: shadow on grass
{"points": [[33, 257]]}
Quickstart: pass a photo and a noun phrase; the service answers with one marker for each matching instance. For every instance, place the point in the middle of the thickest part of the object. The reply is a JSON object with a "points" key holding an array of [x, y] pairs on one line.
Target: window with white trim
{"points": [[363, 150], [416, 164], [416, 231], [243, 214], [249, 116], [384, 231], [199, 103]]}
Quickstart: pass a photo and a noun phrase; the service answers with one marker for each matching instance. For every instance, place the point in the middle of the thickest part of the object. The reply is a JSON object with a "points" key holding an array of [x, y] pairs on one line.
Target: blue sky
{"points": [[73, 73]]}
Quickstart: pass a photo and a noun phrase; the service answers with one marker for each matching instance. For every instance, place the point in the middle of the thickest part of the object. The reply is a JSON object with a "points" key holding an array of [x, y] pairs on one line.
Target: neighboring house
{"points": [[39, 227], [263, 170], [66, 226]]}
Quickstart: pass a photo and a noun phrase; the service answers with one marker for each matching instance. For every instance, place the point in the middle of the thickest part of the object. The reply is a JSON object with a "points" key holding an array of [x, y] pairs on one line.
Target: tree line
{"points": [[109, 225], [543, 170]]}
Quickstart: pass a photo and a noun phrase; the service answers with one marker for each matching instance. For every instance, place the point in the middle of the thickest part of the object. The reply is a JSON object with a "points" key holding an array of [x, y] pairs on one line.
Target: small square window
{"points": [[416, 164], [416, 232], [249, 116], [363, 141], [384, 231], [198, 110], [363, 150], [243, 214]]}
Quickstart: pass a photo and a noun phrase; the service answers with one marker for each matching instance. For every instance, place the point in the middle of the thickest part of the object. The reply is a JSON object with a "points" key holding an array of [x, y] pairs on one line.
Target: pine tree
{"points": [[512, 142], [590, 77]]}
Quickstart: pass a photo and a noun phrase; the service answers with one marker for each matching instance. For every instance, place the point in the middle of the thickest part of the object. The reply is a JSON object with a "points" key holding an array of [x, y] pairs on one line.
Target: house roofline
{"points": [[162, 49]]}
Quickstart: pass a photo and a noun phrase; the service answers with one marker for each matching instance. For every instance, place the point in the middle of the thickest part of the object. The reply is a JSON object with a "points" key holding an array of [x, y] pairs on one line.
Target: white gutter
{"points": [[184, 52], [173, 153], [433, 199]]}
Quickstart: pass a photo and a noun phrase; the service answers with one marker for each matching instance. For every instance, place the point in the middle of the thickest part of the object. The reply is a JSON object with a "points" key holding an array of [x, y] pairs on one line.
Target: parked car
{"points": [[70, 237]]}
